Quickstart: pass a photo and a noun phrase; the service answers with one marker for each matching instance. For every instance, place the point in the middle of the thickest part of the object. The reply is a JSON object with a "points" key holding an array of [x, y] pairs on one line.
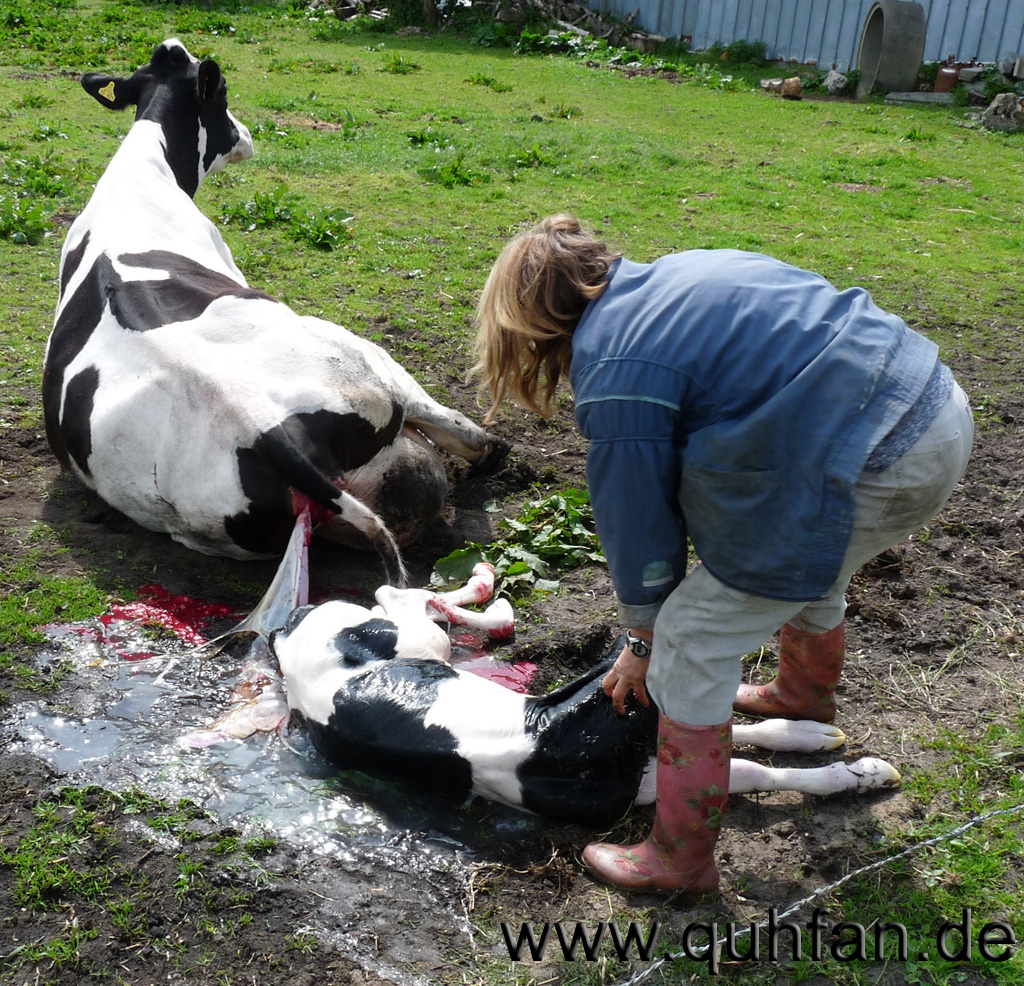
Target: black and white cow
{"points": [[197, 405], [377, 693]]}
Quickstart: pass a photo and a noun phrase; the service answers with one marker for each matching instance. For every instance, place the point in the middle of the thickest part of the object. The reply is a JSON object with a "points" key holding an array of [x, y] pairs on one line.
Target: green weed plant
{"points": [[325, 229], [396, 64], [551, 535], [455, 170], [490, 82], [22, 219]]}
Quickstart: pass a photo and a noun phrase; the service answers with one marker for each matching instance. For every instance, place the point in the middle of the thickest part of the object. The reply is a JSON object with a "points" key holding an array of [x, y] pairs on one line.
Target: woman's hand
{"points": [[628, 674]]}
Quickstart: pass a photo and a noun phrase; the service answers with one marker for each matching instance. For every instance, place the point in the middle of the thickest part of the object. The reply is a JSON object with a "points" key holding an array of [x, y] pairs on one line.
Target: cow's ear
{"points": [[208, 81], [109, 91]]}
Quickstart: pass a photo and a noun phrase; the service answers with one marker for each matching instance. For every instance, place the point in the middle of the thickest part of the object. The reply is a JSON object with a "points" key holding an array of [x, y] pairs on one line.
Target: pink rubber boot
{"points": [[804, 688], [693, 789]]}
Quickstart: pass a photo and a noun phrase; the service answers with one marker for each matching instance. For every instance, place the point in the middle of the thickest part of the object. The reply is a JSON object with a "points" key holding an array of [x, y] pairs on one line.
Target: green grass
{"points": [[55, 861], [904, 201], [29, 599], [439, 150], [75, 854]]}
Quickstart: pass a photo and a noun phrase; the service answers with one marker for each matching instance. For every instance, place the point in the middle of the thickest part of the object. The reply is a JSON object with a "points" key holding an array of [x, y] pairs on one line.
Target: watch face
{"points": [[640, 648]]}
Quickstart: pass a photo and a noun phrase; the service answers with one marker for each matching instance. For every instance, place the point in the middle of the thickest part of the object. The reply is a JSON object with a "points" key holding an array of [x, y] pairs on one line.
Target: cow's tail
{"points": [[300, 472]]}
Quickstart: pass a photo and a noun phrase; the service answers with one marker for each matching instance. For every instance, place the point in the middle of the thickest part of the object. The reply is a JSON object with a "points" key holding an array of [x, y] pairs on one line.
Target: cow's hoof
{"points": [[492, 458]]}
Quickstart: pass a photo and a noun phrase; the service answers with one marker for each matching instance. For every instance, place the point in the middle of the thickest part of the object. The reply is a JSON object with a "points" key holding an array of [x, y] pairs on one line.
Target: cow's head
{"points": [[189, 100]]}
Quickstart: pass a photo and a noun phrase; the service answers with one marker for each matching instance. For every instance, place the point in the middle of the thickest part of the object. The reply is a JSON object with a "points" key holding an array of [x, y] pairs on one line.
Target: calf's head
{"points": [[322, 649], [188, 100]]}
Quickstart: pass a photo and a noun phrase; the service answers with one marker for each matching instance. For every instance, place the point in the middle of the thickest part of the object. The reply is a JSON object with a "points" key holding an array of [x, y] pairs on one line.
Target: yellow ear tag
{"points": [[107, 92]]}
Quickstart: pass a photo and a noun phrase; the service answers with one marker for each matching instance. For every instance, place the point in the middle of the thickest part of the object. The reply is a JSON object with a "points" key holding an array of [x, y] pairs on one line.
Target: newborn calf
{"points": [[378, 694]]}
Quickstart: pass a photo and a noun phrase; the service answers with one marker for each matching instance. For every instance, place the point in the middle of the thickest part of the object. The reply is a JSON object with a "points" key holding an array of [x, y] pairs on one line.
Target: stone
{"points": [[510, 14], [788, 88], [935, 98], [644, 43], [1004, 113], [1010, 62], [835, 82], [976, 94], [971, 73]]}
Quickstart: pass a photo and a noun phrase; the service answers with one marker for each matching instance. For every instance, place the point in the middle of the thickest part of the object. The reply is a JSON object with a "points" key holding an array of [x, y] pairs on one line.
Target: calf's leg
{"points": [[748, 777], [789, 735], [866, 774]]}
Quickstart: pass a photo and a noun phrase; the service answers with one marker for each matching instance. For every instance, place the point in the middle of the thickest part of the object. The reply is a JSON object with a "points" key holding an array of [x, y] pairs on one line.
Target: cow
{"points": [[377, 692], [199, 406]]}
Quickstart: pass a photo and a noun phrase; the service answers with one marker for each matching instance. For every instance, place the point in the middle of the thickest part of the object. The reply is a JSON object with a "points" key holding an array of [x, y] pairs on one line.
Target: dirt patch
{"points": [[933, 635], [853, 186]]}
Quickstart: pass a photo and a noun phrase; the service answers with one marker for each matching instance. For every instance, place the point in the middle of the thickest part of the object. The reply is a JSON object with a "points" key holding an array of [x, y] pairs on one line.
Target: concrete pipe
{"points": [[891, 47]]}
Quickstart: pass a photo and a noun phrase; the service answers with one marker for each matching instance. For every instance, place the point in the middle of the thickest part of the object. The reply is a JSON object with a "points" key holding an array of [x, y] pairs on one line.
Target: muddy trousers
{"points": [[705, 627]]}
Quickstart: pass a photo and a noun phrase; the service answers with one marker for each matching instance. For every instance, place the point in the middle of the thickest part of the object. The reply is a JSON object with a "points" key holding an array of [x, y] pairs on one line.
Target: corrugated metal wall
{"points": [[828, 30]]}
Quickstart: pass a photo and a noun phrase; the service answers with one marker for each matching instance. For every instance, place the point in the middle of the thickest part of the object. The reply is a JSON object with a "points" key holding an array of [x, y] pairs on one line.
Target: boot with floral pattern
{"points": [[693, 789], [804, 688]]}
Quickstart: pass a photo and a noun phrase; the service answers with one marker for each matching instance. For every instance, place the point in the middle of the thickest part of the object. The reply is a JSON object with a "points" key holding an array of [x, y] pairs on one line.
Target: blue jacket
{"points": [[734, 399]]}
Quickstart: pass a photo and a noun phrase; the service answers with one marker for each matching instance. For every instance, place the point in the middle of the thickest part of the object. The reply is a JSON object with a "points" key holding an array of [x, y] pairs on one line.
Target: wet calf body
{"points": [[197, 405], [377, 694]]}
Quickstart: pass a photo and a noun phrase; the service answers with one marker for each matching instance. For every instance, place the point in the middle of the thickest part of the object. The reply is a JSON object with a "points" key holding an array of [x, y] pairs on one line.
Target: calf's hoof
{"points": [[790, 735], [872, 774]]}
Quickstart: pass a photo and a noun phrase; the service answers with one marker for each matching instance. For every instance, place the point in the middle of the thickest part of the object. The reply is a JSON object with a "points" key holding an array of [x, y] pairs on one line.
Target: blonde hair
{"points": [[529, 309]]}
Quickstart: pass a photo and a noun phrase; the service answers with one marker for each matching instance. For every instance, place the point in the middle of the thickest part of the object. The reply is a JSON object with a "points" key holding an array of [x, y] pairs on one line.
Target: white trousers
{"points": [[705, 627]]}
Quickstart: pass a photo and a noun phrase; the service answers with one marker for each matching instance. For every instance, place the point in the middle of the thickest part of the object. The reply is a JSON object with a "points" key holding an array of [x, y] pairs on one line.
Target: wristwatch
{"points": [[638, 646]]}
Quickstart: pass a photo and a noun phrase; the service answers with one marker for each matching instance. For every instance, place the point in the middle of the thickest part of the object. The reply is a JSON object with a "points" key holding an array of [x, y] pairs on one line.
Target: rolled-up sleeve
{"points": [[633, 472]]}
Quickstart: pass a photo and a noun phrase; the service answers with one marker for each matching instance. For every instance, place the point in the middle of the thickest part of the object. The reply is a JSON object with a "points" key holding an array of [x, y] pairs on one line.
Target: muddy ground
{"points": [[932, 635]]}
